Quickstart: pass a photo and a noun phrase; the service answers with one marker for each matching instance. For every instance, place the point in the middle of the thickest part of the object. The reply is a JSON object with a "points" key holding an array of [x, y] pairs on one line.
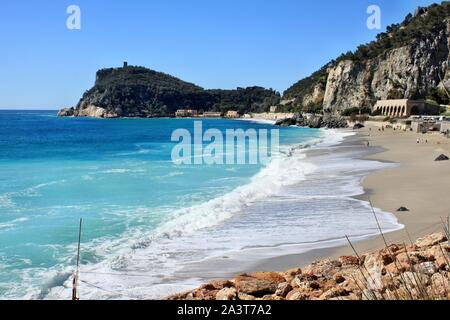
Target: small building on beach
{"points": [[427, 124], [186, 113], [404, 108], [232, 114], [445, 127]]}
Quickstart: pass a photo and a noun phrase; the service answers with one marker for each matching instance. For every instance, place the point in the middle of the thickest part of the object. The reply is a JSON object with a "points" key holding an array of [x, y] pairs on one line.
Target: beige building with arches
{"points": [[404, 108]]}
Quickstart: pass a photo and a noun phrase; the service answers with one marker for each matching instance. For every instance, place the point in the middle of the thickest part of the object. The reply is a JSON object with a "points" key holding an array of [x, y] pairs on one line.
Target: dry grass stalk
{"points": [[403, 281]]}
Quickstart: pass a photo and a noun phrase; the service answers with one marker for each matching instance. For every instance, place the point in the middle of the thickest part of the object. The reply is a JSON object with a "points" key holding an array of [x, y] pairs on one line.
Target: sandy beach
{"points": [[418, 183]]}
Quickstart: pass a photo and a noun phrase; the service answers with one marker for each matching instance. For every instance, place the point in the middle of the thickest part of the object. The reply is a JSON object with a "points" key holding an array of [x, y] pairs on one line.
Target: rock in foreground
{"points": [[417, 272], [442, 157]]}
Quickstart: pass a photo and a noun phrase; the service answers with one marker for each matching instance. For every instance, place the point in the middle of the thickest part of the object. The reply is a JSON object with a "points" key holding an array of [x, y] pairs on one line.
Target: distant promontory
{"points": [[132, 91]]}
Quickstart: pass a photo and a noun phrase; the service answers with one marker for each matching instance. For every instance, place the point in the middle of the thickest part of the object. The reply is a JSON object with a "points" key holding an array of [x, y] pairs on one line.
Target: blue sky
{"points": [[213, 43]]}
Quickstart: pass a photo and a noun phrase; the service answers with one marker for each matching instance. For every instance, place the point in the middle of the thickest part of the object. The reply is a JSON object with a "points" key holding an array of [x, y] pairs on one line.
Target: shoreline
{"points": [[415, 223], [334, 142]]}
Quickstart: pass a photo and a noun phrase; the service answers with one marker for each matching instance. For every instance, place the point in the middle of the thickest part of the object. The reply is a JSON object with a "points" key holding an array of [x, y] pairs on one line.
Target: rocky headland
{"points": [[419, 271], [132, 91], [314, 121]]}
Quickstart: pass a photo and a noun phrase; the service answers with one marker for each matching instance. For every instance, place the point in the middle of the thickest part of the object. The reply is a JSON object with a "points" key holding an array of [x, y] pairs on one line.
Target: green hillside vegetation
{"points": [[138, 91]]}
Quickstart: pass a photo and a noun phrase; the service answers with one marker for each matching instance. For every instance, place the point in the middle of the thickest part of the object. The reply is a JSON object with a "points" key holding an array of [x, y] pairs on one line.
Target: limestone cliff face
{"points": [[316, 96], [95, 112], [410, 60], [405, 72], [87, 110]]}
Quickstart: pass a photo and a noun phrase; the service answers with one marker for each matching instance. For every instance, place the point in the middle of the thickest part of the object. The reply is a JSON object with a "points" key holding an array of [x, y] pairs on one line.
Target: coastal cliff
{"points": [[409, 61], [419, 271]]}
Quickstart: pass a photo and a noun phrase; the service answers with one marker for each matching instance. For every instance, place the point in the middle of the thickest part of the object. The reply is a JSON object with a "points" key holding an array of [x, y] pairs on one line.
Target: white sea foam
{"points": [[172, 175], [262, 121], [46, 184], [7, 199], [13, 223], [291, 206], [282, 171], [122, 171], [199, 232], [332, 137]]}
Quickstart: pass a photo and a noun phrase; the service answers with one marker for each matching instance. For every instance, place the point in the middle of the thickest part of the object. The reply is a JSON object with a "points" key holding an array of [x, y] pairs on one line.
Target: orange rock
{"points": [[397, 268], [220, 284], [391, 283], [255, 287], [350, 297], [179, 296], [297, 295], [349, 261], [207, 286], [299, 282], [314, 285], [430, 240], [333, 293], [395, 248], [292, 273], [205, 294], [283, 289], [374, 265], [338, 278], [440, 259], [440, 285], [350, 286], [305, 282], [245, 297], [226, 294], [272, 297], [386, 258], [407, 260], [269, 276], [428, 268], [392, 274], [326, 267], [415, 280]]}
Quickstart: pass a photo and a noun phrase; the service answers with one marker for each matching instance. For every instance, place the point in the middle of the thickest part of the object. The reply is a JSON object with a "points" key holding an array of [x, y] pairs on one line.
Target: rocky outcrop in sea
{"points": [[314, 121], [420, 271]]}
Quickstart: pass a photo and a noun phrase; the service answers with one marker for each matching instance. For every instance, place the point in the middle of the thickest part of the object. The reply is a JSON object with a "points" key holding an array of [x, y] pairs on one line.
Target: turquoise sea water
{"points": [[118, 176]]}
